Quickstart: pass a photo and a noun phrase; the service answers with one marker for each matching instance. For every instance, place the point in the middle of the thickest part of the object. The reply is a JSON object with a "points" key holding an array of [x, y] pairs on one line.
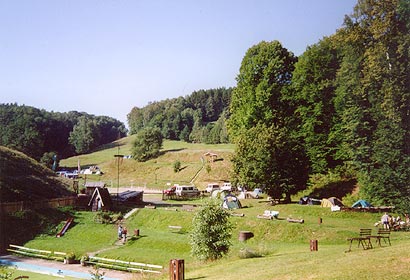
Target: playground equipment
{"points": [[65, 227]]}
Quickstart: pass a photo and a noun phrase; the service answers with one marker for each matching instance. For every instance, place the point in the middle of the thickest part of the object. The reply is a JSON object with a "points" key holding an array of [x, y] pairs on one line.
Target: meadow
{"points": [[279, 249]]}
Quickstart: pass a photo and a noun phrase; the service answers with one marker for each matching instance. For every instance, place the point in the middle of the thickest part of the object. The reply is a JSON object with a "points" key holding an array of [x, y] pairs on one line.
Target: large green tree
{"points": [[314, 85], [263, 125], [147, 144], [374, 97]]}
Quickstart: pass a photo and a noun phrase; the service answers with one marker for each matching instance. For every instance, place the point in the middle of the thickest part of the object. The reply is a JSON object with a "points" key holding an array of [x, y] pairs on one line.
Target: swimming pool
{"points": [[48, 270]]}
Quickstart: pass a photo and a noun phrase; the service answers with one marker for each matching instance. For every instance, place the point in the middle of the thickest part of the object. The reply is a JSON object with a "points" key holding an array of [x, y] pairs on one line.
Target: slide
{"points": [[65, 227]]}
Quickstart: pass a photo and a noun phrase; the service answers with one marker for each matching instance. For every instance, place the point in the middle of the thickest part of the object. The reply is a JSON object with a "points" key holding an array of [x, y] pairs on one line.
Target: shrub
{"points": [[212, 230]]}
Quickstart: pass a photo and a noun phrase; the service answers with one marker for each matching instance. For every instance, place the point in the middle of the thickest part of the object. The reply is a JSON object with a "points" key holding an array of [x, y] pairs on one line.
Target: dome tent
{"points": [[361, 204]]}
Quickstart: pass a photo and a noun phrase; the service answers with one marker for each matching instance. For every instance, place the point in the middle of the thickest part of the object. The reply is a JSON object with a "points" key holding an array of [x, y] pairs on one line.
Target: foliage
{"points": [[96, 274], [104, 217], [36, 132], [50, 160], [188, 118], [211, 233], [5, 274], [373, 97], [262, 123], [177, 166], [147, 145]]}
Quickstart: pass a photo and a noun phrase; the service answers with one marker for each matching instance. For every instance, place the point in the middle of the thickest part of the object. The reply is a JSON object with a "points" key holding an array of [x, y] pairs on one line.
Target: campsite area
{"points": [[279, 249]]}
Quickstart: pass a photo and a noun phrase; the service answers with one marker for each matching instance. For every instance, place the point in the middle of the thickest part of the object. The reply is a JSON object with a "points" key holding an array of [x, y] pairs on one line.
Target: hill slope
{"points": [[156, 173], [23, 178]]}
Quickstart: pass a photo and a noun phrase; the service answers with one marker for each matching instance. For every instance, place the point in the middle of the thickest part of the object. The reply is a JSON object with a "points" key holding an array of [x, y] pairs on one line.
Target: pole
{"points": [[118, 156]]}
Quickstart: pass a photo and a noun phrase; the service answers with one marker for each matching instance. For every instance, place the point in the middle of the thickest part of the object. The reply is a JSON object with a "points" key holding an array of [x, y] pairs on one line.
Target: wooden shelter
{"points": [[100, 200]]}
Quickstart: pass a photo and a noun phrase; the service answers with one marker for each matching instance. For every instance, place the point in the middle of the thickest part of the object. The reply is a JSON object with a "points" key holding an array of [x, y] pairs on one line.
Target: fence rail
{"points": [[9, 207]]}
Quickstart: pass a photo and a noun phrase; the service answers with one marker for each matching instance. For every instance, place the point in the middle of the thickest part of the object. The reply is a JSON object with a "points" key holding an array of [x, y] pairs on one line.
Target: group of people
{"points": [[122, 233], [390, 222]]}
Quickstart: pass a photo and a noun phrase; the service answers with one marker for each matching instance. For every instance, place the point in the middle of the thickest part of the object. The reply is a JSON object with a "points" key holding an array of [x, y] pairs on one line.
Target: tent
{"points": [[330, 202], [231, 202], [361, 204]]}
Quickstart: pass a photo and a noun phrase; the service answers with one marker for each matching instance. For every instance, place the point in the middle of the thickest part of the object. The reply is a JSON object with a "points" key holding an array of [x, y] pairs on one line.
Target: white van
{"points": [[226, 187], [186, 191], [211, 187]]}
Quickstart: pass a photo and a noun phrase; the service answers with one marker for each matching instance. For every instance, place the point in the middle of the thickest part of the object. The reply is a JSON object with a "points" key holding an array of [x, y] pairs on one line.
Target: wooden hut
{"points": [[100, 200]]}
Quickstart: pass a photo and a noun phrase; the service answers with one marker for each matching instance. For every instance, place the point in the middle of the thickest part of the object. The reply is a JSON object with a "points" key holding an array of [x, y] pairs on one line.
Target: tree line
{"points": [[41, 134], [199, 117], [342, 107]]}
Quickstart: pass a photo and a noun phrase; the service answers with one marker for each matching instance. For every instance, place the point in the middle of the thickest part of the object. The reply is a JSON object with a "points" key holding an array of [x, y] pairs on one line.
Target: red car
{"points": [[170, 191]]}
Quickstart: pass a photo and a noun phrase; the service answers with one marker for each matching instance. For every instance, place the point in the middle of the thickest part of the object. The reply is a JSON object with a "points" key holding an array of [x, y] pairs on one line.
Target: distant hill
{"points": [[23, 178], [156, 173]]}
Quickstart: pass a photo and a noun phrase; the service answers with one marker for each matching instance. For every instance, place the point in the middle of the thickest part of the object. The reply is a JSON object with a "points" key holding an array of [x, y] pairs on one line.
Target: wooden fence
{"points": [[9, 207]]}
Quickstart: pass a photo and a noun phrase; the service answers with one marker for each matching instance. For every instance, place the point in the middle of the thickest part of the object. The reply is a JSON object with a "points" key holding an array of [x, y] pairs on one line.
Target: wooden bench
{"points": [[363, 239], [382, 234]]}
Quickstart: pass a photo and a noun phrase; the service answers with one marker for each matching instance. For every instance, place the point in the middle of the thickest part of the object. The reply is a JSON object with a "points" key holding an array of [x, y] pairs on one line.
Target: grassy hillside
{"points": [[156, 173], [22, 178], [279, 249]]}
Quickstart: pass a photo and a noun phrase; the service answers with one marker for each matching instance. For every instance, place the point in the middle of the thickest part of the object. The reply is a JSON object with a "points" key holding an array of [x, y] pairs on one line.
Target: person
{"points": [[120, 232], [385, 221], [124, 234]]}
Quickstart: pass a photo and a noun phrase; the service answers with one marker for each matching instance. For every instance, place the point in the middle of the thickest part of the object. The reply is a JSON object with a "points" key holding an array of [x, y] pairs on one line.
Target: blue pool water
{"points": [[50, 271]]}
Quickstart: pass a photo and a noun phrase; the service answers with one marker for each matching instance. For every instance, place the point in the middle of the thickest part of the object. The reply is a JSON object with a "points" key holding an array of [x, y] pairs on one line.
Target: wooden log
{"points": [[301, 221], [264, 217]]}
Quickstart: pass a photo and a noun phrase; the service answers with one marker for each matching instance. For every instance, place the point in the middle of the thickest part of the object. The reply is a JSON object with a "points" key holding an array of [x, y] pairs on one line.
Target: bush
{"points": [[212, 230]]}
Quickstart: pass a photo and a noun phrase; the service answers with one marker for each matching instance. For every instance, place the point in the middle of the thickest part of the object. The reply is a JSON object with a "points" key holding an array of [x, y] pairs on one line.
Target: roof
{"points": [[103, 194], [95, 184]]}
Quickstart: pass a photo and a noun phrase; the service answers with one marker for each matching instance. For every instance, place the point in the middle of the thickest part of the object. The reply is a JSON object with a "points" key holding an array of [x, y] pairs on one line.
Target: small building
{"points": [[91, 186], [100, 200]]}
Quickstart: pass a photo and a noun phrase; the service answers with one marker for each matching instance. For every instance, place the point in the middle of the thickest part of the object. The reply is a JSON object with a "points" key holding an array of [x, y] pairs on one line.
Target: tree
{"points": [[83, 137], [373, 97], [211, 233], [267, 157], [313, 92], [147, 144], [263, 125]]}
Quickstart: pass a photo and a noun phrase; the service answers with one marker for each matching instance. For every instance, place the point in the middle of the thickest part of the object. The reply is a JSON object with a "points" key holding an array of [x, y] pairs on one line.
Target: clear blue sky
{"points": [[105, 57]]}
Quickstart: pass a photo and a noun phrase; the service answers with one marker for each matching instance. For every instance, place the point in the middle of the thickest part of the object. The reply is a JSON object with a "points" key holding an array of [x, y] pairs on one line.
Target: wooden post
{"points": [[320, 220], [176, 269], [245, 235], [313, 245]]}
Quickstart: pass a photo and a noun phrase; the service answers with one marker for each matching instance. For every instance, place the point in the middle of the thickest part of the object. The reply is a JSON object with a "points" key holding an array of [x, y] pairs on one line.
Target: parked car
{"points": [[170, 191], [211, 187], [226, 187], [187, 191]]}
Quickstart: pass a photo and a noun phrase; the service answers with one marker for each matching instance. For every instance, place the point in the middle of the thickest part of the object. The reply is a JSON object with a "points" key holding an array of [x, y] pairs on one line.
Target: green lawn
{"points": [[283, 247]]}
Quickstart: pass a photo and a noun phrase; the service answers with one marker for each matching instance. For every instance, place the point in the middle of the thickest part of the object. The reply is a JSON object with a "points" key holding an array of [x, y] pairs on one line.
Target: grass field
{"points": [[156, 173], [282, 248]]}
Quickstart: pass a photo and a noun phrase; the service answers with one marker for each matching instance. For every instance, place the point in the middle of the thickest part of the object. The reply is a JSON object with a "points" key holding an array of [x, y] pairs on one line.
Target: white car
{"points": [[211, 187], [187, 191], [226, 187]]}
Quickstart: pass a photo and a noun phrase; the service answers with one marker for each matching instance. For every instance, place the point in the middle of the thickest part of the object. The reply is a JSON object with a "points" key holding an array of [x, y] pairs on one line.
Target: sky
{"points": [[106, 57]]}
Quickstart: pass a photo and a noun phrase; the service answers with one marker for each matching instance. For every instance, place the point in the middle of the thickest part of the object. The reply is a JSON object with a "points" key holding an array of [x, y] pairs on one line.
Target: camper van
{"points": [[186, 191], [211, 187]]}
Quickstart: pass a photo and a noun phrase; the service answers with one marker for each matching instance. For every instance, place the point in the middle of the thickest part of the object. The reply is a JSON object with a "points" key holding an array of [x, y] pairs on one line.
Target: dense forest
{"points": [[199, 117], [340, 110], [41, 134]]}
